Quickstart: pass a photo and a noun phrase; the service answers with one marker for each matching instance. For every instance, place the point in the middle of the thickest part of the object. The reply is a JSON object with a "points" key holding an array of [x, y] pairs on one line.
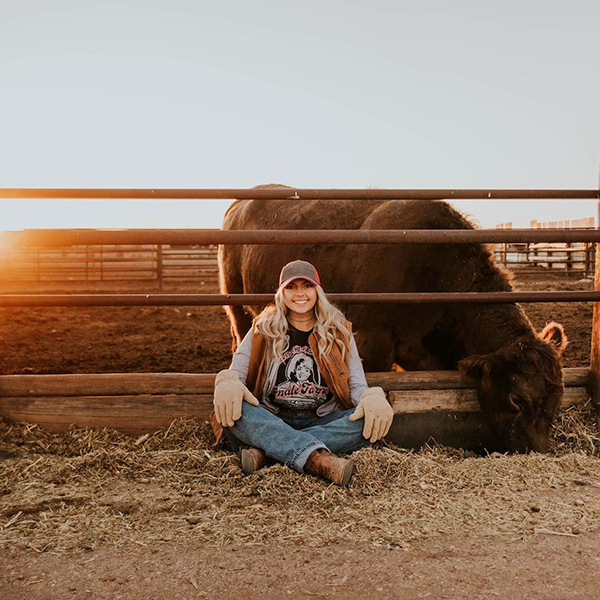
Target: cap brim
{"points": [[284, 283]]}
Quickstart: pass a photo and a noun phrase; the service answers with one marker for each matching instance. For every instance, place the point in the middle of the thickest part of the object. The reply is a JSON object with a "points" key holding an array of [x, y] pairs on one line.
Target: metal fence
{"points": [[570, 258], [207, 237], [159, 263], [149, 262]]}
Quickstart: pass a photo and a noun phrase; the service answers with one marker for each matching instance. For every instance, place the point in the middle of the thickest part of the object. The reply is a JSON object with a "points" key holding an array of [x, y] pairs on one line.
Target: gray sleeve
{"points": [[357, 381], [241, 357]]}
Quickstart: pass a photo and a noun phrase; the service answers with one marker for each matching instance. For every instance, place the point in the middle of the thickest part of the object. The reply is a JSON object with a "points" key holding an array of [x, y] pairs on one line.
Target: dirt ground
{"points": [[496, 553], [449, 567], [114, 339]]}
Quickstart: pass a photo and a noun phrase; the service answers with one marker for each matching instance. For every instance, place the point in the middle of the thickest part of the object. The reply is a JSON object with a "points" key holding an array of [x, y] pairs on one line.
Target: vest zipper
{"points": [[335, 362]]}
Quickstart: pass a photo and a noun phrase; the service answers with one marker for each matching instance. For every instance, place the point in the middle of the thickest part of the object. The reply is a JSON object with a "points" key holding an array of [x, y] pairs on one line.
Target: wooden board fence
{"points": [[438, 405]]}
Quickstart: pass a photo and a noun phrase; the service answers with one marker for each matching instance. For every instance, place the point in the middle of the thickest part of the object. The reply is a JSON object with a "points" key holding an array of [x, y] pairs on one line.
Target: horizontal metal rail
{"points": [[295, 193], [67, 237], [14, 300]]}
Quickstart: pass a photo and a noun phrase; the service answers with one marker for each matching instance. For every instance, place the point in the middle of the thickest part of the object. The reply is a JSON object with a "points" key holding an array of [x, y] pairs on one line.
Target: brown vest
{"points": [[332, 366]]}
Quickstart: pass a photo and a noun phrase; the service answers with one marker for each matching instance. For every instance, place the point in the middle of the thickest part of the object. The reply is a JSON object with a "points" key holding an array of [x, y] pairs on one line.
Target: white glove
{"points": [[377, 412], [229, 393]]}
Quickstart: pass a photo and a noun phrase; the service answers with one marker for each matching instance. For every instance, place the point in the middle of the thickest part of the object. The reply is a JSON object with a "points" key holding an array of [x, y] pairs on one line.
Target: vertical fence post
{"points": [[595, 354], [159, 266], [587, 267]]}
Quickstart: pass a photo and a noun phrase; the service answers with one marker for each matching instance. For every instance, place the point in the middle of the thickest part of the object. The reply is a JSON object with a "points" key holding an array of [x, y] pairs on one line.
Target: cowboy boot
{"points": [[330, 466], [252, 459]]}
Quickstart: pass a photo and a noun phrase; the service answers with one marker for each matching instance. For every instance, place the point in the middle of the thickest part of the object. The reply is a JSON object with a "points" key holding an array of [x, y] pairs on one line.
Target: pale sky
{"points": [[327, 94]]}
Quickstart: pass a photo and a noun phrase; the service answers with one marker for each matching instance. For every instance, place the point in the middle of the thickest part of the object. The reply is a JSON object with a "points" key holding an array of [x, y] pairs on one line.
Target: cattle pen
{"points": [[159, 264], [433, 404], [112, 262]]}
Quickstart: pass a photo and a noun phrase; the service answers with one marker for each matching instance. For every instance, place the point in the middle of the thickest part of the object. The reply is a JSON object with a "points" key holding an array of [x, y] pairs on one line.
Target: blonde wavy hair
{"points": [[331, 327]]}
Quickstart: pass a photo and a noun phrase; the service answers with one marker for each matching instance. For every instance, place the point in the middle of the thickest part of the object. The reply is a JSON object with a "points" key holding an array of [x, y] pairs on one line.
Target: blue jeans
{"points": [[291, 438]]}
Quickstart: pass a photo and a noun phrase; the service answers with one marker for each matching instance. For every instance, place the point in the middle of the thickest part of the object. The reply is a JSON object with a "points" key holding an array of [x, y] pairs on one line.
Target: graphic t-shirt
{"points": [[299, 384]]}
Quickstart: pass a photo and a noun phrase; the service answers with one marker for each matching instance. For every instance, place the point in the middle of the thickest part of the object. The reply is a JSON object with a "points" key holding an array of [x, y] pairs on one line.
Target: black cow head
{"points": [[520, 388]]}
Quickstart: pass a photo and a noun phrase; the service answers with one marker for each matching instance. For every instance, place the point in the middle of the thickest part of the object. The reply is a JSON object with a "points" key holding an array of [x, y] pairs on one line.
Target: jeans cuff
{"points": [[302, 456]]}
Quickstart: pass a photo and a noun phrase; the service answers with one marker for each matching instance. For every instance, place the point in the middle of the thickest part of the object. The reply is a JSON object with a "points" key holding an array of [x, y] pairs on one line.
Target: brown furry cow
{"points": [[517, 372]]}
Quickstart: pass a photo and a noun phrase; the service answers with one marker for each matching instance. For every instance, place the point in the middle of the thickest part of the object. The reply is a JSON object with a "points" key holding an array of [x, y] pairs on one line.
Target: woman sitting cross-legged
{"points": [[296, 390]]}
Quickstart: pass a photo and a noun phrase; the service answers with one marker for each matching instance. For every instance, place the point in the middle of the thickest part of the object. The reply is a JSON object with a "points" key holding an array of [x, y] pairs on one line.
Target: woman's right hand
{"points": [[229, 394]]}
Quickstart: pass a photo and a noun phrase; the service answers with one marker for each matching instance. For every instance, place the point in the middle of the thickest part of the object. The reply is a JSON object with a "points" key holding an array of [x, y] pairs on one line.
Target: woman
{"points": [[303, 384]]}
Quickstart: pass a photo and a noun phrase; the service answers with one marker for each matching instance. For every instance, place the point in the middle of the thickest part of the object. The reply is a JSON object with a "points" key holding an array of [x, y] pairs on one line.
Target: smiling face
{"points": [[302, 371], [300, 297]]}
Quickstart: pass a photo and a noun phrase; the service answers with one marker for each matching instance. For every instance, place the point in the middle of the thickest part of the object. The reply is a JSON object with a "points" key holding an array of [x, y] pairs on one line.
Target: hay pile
{"points": [[73, 491]]}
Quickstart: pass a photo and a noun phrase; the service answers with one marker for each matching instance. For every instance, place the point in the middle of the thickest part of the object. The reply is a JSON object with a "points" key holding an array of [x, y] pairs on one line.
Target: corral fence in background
{"points": [[160, 263], [576, 258], [105, 262], [134, 403], [533, 259]]}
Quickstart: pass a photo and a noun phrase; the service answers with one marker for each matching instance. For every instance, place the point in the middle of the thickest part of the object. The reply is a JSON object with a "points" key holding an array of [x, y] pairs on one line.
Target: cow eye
{"points": [[516, 402]]}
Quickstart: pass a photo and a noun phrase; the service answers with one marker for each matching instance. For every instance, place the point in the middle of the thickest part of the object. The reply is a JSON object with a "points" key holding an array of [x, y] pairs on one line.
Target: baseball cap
{"points": [[298, 269]]}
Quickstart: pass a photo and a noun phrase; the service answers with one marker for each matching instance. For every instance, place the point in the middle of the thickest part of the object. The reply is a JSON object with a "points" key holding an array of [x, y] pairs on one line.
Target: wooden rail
{"points": [[427, 404]]}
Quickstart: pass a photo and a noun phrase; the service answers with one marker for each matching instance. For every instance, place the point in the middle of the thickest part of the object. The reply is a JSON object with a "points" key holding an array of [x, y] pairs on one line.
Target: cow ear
{"points": [[555, 335], [475, 367]]}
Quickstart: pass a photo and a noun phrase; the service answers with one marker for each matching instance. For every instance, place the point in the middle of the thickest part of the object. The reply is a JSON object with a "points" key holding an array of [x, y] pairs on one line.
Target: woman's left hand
{"points": [[377, 413]]}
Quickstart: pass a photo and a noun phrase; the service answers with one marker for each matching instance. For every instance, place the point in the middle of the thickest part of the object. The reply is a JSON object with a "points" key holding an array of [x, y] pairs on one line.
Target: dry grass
{"points": [[73, 491]]}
